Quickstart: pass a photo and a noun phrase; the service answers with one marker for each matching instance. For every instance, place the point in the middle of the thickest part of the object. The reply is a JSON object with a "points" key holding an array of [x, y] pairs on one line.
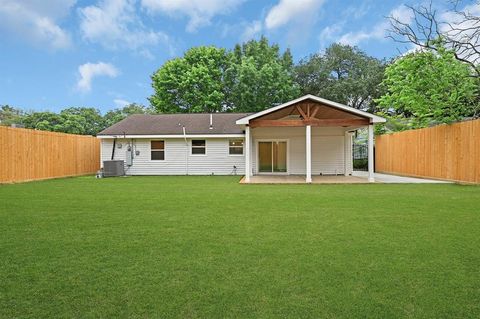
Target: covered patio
{"points": [[307, 140]]}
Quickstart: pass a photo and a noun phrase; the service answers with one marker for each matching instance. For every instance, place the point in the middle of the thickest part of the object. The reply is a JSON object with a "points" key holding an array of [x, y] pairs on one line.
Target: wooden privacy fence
{"points": [[29, 155], [448, 152]]}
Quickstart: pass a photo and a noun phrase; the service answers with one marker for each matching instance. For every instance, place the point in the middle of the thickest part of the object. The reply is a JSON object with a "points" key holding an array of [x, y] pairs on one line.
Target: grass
{"points": [[207, 247]]}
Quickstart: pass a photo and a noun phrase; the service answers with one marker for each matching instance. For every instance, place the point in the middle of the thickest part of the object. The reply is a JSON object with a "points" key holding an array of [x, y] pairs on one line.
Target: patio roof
{"points": [[354, 119]]}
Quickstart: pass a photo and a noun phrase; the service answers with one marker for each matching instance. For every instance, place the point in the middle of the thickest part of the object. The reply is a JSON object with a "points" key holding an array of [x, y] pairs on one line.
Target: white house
{"points": [[307, 136]]}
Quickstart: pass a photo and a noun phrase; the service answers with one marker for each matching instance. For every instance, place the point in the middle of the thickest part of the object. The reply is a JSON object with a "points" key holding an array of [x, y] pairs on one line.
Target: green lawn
{"points": [[208, 247]]}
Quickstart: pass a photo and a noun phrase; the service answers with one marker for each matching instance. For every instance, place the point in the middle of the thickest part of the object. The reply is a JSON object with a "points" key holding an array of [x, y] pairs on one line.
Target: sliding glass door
{"points": [[272, 157]]}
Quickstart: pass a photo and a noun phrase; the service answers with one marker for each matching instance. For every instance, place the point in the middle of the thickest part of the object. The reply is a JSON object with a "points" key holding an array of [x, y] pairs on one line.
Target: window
{"points": [[199, 147], [235, 147], [157, 150]]}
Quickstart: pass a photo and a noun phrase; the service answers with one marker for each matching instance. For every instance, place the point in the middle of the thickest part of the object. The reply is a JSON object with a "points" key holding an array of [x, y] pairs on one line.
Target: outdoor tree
{"points": [[116, 115], [259, 76], [457, 29], [429, 87], [10, 115], [192, 83], [343, 74], [45, 121], [252, 77], [81, 120]]}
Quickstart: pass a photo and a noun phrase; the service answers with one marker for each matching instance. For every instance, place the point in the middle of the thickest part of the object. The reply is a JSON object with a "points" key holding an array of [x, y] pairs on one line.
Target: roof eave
{"points": [[374, 118]]}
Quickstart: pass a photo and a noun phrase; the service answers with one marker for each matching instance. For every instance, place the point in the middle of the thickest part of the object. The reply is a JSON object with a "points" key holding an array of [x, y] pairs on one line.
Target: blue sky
{"points": [[61, 53]]}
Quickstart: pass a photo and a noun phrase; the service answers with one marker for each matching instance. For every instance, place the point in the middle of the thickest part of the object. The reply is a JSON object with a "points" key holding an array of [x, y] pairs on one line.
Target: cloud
{"points": [[114, 24], [89, 71], [287, 11], [453, 22], [121, 103], [36, 21], [328, 33], [199, 12], [379, 30], [252, 30]]}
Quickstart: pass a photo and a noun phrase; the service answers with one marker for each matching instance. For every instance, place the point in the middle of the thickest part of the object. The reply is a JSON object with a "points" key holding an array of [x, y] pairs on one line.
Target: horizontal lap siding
{"points": [[328, 155], [177, 153], [328, 147]]}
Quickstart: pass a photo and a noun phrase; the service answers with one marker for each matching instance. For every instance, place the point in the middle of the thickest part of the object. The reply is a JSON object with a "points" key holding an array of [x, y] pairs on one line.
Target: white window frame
{"points": [[243, 146], [192, 147], [157, 150]]}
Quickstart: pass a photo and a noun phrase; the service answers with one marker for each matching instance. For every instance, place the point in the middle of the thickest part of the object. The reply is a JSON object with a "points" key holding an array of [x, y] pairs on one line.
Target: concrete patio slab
{"points": [[358, 177], [387, 178]]}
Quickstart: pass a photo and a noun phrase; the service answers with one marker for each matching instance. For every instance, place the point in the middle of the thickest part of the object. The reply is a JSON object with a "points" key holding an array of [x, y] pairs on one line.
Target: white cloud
{"points": [[37, 21], [252, 30], [200, 12], [115, 25], [89, 71], [329, 33], [287, 11], [453, 22], [379, 30], [121, 103]]}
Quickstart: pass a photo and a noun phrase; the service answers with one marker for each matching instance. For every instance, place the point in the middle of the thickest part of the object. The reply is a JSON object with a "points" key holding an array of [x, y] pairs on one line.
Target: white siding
{"points": [[328, 154], [328, 148], [177, 154]]}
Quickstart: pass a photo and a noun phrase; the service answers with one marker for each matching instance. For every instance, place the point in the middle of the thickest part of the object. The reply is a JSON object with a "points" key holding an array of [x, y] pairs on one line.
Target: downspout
{"points": [[186, 151], [113, 148]]}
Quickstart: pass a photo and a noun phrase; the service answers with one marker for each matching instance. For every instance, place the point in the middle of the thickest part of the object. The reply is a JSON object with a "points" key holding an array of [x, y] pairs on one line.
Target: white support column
{"points": [[345, 152], [248, 171], [371, 177], [308, 153]]}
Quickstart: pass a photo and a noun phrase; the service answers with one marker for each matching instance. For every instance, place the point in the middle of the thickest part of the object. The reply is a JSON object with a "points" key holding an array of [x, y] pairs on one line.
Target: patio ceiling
{"points": [[308, 112]]}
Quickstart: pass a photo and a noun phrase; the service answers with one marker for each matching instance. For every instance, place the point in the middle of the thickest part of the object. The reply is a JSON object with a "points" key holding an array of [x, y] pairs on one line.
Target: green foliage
{"points": [[10, 115], [193, 83], [360, 164], [82, 120], [259, 76], [116, 115], [342, 74], [252, 77], [74, 120], [425, 88]]}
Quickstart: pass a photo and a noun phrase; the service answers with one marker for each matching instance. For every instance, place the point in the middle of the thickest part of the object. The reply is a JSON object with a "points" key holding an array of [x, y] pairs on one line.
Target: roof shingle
{"points": [[172, 124]]}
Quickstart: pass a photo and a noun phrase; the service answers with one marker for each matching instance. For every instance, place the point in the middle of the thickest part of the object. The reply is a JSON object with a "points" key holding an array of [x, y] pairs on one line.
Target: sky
{"points": [[61, 53]]}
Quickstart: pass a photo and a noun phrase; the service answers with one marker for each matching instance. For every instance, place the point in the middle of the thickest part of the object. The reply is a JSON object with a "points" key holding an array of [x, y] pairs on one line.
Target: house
{"points": [[307, 136]]}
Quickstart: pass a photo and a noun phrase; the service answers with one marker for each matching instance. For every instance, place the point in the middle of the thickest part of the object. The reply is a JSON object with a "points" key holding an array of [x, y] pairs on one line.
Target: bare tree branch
{"points": [[460, 32]]}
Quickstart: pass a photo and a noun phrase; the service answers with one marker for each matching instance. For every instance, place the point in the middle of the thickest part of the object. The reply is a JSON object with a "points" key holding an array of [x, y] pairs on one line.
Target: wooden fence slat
{"points": [[30, 155], [449, 152]]}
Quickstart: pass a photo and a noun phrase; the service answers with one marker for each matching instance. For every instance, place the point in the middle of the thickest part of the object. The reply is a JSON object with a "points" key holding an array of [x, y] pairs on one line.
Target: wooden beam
{"points": [[315, 110], [299, 109], [312, 122]]}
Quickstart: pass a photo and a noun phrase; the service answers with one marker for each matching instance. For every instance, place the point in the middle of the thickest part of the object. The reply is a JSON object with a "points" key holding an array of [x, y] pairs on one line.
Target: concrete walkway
{"points": [[357, 177], [387, 178]]}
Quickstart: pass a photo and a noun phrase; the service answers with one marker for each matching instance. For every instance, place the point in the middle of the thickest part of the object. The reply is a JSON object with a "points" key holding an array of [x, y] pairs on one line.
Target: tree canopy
{"points": [[259, 76], [74, 120], [192, 83], [252, 77], [344, 74], [429, 87]]}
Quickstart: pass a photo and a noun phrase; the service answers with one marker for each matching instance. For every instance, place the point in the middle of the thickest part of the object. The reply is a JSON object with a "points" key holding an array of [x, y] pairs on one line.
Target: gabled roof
{"points": [[342, 107], [172, 124]]}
